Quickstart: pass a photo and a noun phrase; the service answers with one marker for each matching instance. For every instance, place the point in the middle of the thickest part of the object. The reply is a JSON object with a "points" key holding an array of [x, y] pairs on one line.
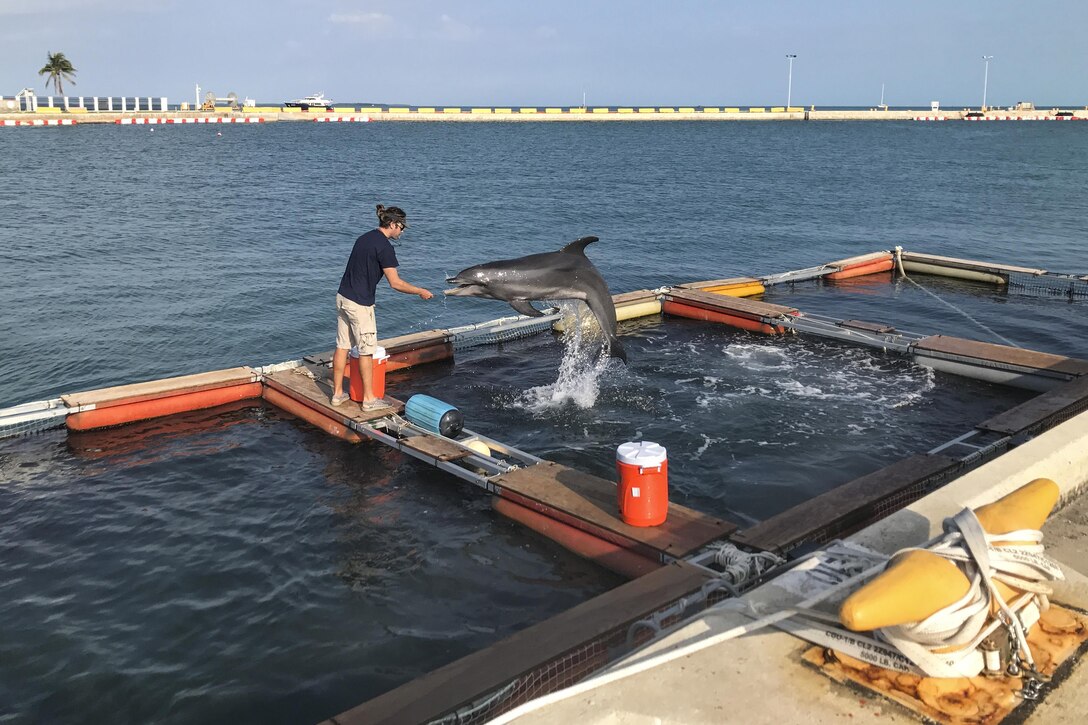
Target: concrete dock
{"points": [[761, 678]]}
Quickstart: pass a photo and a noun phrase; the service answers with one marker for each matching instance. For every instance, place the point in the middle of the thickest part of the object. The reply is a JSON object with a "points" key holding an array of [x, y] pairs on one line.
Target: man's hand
{"points": [[426, 295]]}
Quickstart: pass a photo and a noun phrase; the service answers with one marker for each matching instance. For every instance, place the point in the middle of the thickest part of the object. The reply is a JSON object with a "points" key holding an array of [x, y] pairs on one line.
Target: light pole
{"points": [[789, 88], [985, 79]]}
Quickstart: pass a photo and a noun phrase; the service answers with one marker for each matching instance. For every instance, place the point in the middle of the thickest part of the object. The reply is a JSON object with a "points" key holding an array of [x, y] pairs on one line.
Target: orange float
{"points": [[308, 414], [863, 268], [611, 556], [120, 412], [419, 356], [698, 313]]}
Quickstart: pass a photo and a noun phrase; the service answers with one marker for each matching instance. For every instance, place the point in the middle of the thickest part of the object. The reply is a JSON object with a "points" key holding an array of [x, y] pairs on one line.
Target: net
{"points": [[576, 664], [502, 330], [32, 418], [1049, 285]]}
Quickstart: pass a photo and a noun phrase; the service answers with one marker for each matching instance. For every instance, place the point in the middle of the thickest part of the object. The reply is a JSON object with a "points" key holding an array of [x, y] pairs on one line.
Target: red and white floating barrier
{"points": [[1023, 118], [342, 119], [202, 119], [40, 122], [931, 118]]}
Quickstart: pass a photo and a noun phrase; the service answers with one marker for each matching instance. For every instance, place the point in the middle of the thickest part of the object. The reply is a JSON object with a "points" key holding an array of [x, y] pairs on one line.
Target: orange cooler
{"points": [[643, 490], [355, 382]]}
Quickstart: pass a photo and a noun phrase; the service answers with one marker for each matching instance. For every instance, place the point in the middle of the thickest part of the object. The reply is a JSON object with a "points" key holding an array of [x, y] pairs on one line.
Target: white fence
{"points": [[108, 104]]}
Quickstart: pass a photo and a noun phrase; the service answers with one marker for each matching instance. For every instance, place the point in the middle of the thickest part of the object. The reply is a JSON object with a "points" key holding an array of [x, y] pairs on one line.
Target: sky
{"points": [[555, 52]]}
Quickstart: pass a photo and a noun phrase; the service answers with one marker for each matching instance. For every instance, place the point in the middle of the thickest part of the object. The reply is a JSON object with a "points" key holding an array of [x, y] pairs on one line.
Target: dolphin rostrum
{"points": [[564, 275]]}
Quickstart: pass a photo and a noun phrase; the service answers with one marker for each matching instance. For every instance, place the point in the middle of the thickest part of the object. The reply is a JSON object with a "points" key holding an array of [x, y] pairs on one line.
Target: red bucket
{"points": [[643, 491], [355, 382]]}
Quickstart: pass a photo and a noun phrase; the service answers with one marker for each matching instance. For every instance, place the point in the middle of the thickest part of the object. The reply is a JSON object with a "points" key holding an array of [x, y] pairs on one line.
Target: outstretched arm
{"points": [[401, 286]]}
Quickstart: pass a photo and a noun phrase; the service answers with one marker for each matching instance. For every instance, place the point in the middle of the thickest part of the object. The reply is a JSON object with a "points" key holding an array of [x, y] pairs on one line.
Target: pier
{"points": [[60, 116]]}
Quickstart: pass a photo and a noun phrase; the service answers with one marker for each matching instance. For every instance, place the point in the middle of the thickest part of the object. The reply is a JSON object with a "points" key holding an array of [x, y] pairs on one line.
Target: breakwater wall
{"points": [[58, 117]]}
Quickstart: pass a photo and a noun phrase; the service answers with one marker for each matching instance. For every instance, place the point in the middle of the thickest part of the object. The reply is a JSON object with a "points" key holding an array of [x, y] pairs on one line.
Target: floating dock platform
{"points": [[682, 565]]}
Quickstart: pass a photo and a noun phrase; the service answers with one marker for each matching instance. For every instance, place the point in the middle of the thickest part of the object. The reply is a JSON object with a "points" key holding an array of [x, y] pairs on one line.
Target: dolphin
{"points": [[564, 275]]}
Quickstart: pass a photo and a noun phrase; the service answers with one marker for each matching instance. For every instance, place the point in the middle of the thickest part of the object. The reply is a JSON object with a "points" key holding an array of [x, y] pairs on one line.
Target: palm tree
{"points": [[58, 68]]}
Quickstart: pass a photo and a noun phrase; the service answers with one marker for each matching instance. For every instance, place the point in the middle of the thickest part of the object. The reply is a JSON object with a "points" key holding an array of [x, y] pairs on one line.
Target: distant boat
{"points": [[317, 100]]}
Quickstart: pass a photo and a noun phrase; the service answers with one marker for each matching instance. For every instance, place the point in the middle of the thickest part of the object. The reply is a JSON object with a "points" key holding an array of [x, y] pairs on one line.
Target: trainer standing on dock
{"points": [[371, 258]]}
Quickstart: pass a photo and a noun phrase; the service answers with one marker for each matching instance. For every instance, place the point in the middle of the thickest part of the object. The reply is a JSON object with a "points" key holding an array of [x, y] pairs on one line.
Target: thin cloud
{"points": [[452, 29], [44, 7], [371, 20]]}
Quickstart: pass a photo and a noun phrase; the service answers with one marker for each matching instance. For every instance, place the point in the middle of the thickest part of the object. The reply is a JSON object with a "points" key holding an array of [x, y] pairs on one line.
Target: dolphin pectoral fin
{"points": [[526, 308], [578, 246]]}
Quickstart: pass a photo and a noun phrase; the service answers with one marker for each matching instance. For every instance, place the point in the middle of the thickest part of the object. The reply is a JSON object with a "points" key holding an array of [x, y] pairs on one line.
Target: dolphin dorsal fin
{"points": [[578, 246]]}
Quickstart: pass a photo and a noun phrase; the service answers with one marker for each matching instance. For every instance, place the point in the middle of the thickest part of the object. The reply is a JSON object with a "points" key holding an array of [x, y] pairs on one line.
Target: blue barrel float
{"points": [[434, 415]]}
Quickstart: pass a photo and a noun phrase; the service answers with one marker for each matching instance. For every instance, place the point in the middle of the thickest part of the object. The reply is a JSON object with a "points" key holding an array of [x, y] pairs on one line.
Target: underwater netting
{"points": [[578, 663], [501, 330], [1048, 285], [32, 418], [878, 509]]}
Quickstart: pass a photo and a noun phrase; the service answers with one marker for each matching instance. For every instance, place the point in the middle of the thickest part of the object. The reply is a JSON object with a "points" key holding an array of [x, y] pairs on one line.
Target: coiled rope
{"points": [[1015, 558]]}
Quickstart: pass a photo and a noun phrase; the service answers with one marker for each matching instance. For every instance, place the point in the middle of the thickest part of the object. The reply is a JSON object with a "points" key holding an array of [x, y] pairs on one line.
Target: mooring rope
{"points": [[1015, 558], [903, 274]]}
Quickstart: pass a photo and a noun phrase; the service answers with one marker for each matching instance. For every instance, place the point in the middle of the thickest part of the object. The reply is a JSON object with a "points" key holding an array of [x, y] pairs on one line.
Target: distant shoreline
{"points": [[74, 116]]}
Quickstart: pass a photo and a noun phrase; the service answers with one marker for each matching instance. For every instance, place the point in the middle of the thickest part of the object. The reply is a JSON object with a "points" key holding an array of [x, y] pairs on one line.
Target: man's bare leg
{"points": [[339, 362], [366, 369]]}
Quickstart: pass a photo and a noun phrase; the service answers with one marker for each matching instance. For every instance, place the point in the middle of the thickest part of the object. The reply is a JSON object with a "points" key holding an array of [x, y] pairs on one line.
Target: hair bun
{"points": [[380, 210]]}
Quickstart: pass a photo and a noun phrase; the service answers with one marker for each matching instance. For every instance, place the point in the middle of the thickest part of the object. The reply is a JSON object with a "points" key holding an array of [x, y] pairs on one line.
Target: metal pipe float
{"points": [[120, 412], [308, 414], [740, 290], [611, 556], [639, 309], [698, 313], [733, 286], [954, 272], [861, 270], [419, 356], [862, 265]]}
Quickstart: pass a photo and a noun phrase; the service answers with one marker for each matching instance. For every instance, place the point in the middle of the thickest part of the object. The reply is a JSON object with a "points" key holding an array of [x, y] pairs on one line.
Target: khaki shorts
{"points": [[355, 326]]}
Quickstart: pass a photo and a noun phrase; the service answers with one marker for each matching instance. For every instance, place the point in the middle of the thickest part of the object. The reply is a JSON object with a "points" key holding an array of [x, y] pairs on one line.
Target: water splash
{"points": [[580, 369]]}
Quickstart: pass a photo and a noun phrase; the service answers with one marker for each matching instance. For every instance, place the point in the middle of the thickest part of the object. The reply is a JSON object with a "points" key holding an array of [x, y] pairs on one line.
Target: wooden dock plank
{"points": [[459, 683], [152, 389], [847, 507], [727, 303], [315, 394], [630, 298], [860, 259], [731, 281], [967, 264], [392, 345], [437, 448], [591, 503], [1002, 354], [1067, 397]]}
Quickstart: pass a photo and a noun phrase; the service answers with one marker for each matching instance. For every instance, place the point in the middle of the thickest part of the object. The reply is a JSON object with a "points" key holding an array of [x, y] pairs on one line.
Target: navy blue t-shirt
{"points": [[371, 254]]}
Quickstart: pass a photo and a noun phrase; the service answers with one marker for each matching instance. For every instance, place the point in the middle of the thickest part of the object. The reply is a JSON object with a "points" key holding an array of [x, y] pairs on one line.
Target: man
{"points": [[371, 258]]}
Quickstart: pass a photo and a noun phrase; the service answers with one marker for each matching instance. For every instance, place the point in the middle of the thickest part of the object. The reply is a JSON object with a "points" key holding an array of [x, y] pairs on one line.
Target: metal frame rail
{"points": [[475, 467], [896, 340]]}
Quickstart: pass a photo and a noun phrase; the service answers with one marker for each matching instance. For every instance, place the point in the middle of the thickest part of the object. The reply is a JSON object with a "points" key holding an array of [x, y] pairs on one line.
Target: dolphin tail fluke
{"points": [[615, 349], [578, 246]]}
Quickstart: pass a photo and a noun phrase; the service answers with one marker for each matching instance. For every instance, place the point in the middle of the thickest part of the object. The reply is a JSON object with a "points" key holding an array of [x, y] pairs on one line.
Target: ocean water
{"points": [[240, 565]]}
